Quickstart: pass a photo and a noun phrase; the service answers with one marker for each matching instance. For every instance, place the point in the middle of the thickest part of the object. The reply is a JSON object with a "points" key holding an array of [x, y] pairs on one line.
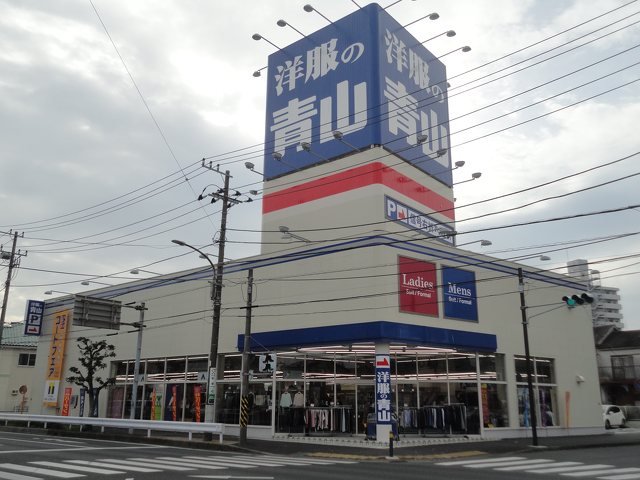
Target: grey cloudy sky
{"points": [[99, 189]]}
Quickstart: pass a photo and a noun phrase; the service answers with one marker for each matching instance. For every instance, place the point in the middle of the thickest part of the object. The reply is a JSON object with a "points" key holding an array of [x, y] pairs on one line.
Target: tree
{"points": [[92, 360]]}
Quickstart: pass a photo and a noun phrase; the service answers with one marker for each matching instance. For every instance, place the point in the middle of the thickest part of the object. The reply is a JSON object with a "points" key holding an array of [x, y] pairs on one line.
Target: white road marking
{"points": [[147, 463], [255, 463], [578, 468], [185, 463], [114, 465], [77, 468], [227, 477], [594, 473], [533, 463], [305, 460], [545, 463], [229, 462], [623, 477], [83, 449], [41, 471], [15, 476], [485, 460]]}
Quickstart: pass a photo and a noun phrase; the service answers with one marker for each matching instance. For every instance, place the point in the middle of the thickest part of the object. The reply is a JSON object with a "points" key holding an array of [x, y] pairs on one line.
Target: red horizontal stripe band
{"points": [[358, 177]]}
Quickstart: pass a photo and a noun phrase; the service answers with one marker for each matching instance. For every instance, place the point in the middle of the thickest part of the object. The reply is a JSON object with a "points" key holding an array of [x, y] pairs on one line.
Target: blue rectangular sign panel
{"points": [[459, 294], [365, 77], [407, 216], [33, 317]]}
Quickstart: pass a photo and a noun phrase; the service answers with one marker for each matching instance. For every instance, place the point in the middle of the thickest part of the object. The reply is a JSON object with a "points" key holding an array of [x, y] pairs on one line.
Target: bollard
{"points": [[391, 437]]}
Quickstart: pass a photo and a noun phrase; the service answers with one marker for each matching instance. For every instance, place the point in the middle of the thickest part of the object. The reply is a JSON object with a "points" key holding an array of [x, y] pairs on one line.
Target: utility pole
{"points": [[136, 367], [12, 264], [244, 385], [212, 408], [532, 405]]}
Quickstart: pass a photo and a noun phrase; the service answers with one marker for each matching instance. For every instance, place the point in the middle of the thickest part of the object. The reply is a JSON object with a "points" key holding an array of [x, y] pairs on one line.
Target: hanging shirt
{"points": [[285, 400]]}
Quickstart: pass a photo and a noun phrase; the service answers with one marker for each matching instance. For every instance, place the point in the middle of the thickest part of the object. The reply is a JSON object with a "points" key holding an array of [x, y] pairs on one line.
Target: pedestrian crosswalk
{"points": [[76, 468], [541, 466]]}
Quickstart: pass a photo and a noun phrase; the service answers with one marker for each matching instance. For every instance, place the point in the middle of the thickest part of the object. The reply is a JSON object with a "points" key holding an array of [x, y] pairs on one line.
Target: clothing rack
{"points": [[336, 419], [450, 418]]}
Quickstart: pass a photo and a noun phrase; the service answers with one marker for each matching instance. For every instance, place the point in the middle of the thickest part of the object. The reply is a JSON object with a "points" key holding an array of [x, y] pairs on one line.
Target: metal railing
{"points": [[125, 424], [624, 372]]}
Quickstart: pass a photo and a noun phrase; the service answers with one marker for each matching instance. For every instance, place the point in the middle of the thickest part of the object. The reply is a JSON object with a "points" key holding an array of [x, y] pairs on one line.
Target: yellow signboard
{"points": [[56, 356]]}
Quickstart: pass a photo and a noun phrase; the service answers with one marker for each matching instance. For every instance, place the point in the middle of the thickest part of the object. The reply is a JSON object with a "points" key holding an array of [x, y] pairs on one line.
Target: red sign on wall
{"points": [[417, 286]]}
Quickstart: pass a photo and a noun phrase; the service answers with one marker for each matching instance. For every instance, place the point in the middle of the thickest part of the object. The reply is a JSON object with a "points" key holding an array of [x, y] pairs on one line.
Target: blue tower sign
{"points": [[367, 78]]}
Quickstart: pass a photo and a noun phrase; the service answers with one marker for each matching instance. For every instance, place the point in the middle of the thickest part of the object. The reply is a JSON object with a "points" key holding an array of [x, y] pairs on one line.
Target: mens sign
{"points": [[365, 77], [459, 294], [401, 213]]}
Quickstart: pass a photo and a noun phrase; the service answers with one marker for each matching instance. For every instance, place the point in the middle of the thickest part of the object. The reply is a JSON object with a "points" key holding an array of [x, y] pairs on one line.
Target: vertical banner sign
{"points": [[383, 389], [211, 388], [363, 77], [66, 402], [486, 418], [153, 404], [56, 357], [174, 403], [83, 394], [197, 402], [459, 294], [33, 317], [417, 286]]}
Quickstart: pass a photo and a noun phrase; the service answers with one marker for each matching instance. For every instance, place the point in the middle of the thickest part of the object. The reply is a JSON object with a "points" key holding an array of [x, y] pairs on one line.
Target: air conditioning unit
{"points": [[14, 392]]}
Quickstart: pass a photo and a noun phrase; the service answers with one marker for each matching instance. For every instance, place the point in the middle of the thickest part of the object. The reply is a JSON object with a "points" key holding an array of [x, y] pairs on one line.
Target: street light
{"points": [[89, 282], [136, 271], [430, 16], [309, 8], [283, 23], [286, 234], [51, 292], [216, 298], [251, 166], [474, 176], [258, 37], [483, 243]]}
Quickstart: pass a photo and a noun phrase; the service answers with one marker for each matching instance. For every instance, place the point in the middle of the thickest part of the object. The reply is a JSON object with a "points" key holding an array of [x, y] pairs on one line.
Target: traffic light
{"points": [[574, 300]]}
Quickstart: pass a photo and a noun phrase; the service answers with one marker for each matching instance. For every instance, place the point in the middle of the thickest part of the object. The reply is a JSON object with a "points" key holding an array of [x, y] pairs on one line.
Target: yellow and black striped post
{"points": [[244, 412]]}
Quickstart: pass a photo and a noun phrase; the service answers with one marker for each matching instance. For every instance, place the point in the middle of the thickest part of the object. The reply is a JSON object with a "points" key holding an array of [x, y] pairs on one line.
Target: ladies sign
{"points": [[417, 285]]}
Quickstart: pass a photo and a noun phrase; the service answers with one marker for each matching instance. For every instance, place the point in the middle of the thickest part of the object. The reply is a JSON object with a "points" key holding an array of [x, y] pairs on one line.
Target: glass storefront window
{"points": [[545, 371], [406, 368], [433, 367], [173, 403], [365, 366], [433, 394], [195, 366], [462, 366], [494, 405], [319, 367], [176, 369], [464, 416], [232, 365], [290, 365], [155, 370], [120, 371], [492, 367], [346, 367], [259, 403], [544, 395]]}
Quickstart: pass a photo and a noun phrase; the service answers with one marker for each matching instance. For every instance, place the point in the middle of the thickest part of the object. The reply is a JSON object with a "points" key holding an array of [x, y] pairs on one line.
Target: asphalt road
{"points": [[26, 456]]}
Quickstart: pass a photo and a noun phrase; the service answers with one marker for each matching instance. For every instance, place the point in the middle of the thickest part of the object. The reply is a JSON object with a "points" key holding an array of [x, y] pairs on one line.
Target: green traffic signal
{"points": [[574, 300]]}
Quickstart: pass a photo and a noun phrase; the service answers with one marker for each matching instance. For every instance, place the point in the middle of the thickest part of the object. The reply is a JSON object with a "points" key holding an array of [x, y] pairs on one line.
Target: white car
{"points": [[613, 416]]}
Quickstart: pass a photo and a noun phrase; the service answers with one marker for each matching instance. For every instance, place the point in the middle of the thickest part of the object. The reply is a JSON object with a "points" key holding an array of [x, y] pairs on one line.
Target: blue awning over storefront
{"points": [[414, 335]]}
